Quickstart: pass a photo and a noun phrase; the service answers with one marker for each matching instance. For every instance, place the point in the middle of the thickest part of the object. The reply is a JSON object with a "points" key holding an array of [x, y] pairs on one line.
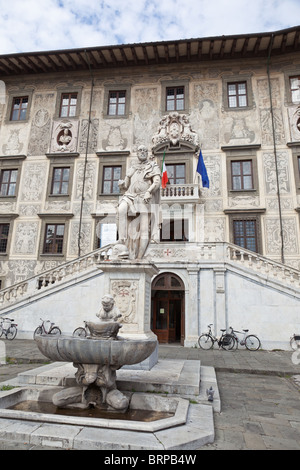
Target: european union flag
{"points": [[201, 169]]}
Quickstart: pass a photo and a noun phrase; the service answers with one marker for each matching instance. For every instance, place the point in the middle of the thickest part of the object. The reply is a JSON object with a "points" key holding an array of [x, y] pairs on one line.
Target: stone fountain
{"points": [[96, 356]]}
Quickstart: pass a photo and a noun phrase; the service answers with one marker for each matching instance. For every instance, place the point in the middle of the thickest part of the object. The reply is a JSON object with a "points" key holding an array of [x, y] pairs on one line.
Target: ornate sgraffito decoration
{"points": [[14, 144], [175, 128]]}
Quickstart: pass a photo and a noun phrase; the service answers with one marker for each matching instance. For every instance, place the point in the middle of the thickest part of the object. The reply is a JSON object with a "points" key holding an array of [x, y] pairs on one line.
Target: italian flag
{"points": [[164, 178]]}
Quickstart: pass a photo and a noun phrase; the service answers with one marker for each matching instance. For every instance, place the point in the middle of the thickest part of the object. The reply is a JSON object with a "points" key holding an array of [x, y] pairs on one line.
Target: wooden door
{"points": [[168, 309]]}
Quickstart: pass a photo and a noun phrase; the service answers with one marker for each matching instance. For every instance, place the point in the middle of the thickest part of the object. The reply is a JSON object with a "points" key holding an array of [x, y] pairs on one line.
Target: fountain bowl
{"points": [[114, 353]]}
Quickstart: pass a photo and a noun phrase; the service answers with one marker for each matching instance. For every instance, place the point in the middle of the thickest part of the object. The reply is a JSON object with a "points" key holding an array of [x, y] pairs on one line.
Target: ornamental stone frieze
{"points": [[64, 136]]}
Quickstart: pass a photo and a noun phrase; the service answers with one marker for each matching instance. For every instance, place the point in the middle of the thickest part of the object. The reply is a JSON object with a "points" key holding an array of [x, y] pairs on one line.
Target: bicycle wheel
{"points": [[38, 331], [228, 342], [55, 331], [79, 332], [205, 341], [11, 332], [252, 343], [295, 343]]}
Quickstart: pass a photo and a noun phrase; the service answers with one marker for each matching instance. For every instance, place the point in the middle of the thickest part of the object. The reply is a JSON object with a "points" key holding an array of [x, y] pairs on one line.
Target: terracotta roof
{"points": [[152, 53]]}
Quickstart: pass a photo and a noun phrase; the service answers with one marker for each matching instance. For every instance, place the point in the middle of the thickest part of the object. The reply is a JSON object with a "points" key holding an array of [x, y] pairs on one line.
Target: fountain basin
{"points": [[115, 353], [175, 408]]}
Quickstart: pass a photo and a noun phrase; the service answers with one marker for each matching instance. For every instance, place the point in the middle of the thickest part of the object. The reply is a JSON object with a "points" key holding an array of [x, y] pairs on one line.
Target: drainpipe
{"points": [[275, 150], [86, 156]]}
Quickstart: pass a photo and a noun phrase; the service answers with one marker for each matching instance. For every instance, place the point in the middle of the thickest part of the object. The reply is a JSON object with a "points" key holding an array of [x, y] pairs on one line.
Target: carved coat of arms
{"points": [[175, 127], [124, 293]]}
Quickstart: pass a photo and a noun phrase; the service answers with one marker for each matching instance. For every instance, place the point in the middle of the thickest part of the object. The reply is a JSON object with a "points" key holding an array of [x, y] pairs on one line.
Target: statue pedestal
{"points": [[129, 282]]}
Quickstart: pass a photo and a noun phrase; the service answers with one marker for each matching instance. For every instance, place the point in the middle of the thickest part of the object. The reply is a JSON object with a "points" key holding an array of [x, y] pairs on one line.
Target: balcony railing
{"points": [[180, 191]]}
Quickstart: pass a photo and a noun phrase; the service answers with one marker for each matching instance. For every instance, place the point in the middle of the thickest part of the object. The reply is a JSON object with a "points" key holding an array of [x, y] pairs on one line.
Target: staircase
{"points": [[52, 279], [205, 254], [225, 285]]}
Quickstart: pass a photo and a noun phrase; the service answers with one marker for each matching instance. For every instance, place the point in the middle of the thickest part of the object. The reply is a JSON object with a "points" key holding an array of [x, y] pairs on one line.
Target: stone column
{"points": [[220, 299], [191, 307]]}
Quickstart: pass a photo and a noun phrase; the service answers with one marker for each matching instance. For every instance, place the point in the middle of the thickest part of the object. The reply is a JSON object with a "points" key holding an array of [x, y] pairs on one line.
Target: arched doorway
{"points": [[167, 308]]}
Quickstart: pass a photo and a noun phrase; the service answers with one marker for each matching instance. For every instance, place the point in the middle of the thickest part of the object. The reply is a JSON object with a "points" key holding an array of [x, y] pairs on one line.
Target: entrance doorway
{"points": [[167, 312]]}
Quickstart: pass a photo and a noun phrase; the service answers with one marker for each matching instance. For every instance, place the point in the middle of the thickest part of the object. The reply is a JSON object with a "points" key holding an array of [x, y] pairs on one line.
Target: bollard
{"points": [[2, 353]]}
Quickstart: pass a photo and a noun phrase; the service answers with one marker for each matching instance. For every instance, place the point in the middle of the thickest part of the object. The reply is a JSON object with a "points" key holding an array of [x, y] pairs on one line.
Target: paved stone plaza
{"points": [[259, 391]]}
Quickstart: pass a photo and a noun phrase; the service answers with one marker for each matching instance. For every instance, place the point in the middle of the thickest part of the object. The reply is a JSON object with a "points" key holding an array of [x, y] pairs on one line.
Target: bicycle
{"points": [[46, 328], [81, 332], [207, 340], [252, 342], [10, 331], [295, 342]]}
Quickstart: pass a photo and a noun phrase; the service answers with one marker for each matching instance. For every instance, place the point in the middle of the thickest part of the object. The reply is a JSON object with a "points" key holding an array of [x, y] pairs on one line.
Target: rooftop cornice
{"points": [[152, 53]]}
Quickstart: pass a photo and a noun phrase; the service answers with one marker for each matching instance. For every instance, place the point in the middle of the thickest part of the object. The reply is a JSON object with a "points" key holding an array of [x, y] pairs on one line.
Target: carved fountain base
{"points": [[96, 361]]}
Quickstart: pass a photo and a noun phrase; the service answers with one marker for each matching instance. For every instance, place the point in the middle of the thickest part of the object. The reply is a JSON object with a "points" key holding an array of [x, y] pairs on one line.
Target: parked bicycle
{"points": [[8, 328], [81, 332], [252, 342], [46, 328], [295, 342], [207, 340]]}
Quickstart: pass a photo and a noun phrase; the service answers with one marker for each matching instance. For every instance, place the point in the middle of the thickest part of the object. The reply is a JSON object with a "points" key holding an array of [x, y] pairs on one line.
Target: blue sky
{"points": [[39, 25]]}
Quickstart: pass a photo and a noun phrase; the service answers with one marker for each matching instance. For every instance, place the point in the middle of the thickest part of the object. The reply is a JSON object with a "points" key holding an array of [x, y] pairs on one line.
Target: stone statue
{"points": [[108, 327], [108, 310], [138, 210]]}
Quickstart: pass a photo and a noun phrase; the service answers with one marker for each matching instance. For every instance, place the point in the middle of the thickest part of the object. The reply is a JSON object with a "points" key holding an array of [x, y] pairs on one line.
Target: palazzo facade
{"points": [[71, 122]]}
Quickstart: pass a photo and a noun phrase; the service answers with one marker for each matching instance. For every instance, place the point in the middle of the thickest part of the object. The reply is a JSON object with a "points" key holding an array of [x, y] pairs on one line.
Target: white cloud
{"points": [[33, 25]]}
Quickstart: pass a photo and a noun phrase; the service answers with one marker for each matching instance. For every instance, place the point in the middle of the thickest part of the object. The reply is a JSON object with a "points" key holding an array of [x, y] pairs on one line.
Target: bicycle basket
{"points": [[297, 337]]}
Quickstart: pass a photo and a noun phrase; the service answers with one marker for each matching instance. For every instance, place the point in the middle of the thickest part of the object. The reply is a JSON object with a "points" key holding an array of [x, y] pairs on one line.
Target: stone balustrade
{"points": [[52, 277], [263, 265], [180, 191], [214, 253]]}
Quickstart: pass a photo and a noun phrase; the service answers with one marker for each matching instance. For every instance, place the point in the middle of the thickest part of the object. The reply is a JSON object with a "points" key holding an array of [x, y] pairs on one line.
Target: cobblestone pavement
{"points": [[260, 393]]}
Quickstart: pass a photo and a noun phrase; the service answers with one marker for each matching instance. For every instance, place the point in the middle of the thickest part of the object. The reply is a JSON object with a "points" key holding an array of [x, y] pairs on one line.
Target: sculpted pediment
{"points": [[175, 130]]}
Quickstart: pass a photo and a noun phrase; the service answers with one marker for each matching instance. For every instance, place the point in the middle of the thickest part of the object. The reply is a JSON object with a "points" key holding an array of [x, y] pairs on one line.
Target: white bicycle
{"points": [[252, 342], [295, 342]]}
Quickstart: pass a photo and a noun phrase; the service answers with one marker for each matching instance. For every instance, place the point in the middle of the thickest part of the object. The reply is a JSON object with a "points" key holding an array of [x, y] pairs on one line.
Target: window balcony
{"points": [[180, 192]]}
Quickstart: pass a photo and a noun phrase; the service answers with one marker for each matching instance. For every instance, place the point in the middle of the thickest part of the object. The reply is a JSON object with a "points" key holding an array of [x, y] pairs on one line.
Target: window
{"points": [[237, 95], [295, 89], [106, 233], [116, 103], [60, 181], [4, 230], [175, 99], [19, 109], [175, 230], [54, 238], [245, 235], [68, 105], [111, 176], [8, 181], [242, 175], [176, 173]]}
